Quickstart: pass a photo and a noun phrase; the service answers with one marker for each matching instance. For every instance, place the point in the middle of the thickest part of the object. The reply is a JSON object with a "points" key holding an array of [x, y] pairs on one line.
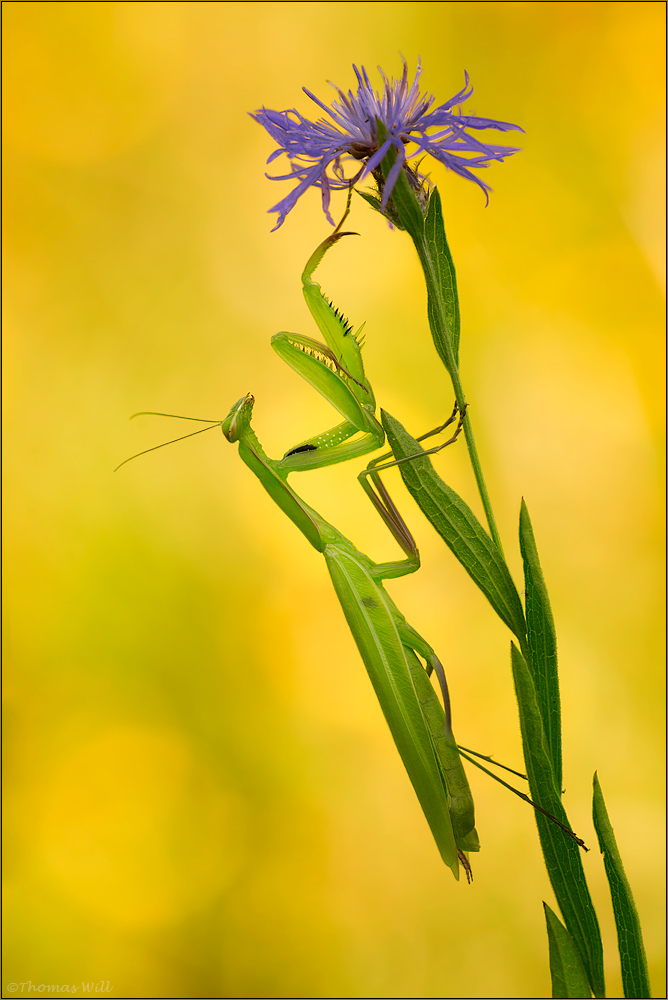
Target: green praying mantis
{"points": [[390, 648]]}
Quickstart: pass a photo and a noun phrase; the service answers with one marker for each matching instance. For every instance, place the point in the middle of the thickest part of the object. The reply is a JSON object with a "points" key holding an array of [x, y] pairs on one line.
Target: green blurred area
{"points": [[202, 796]]}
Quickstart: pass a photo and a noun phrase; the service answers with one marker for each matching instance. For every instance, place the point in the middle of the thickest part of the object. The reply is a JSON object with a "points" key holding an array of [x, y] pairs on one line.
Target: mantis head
{"points": [[237, 421]]}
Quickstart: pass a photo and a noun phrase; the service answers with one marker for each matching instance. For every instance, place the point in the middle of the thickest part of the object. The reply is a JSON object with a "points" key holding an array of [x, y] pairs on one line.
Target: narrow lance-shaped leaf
{"points": [[542, 642], [635, 977], [561, 853], [428, 235], [437, 252], [569, 978], [458, 526]]}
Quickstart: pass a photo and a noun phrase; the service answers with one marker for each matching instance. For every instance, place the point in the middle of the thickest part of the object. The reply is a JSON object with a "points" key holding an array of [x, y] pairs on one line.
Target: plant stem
{"points": [[475, 463]]}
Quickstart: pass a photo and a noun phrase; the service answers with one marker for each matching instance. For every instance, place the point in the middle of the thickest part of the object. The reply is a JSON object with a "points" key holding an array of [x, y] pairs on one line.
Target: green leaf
{"points": [[458, 527], [443, 301], [635, 977], [561, 853], [428, 235], [569, 979], [542, 643]]}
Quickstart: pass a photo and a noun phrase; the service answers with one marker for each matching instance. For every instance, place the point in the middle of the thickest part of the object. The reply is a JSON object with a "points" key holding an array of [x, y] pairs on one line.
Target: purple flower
{"points": [[314, 147]]}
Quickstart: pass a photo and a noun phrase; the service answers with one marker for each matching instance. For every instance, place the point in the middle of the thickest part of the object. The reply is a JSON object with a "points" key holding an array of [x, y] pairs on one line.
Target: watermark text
{"points": [[29, 987]]}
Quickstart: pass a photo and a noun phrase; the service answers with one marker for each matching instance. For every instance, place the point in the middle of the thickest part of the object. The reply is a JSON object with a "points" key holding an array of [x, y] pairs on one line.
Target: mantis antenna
{"points": [[154, 413]]}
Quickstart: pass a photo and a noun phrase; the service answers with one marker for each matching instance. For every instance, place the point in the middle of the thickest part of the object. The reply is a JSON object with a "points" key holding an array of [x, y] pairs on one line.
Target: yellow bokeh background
{"points": [[202, 796]]}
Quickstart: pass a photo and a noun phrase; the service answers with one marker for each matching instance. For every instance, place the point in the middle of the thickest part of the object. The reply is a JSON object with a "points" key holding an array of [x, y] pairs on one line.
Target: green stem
{"points": [[475, 463]]}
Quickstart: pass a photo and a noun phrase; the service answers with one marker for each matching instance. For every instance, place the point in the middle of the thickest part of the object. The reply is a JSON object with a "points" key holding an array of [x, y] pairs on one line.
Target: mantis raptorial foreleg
{"points": [[335, 369]]}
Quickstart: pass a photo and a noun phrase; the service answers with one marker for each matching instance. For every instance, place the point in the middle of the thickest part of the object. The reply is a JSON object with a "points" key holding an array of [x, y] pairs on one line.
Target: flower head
{"points": [[316, 149]]}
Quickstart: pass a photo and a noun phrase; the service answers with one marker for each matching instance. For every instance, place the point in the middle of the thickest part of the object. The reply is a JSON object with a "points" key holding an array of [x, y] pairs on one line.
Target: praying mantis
{"points": [[389, 646]]}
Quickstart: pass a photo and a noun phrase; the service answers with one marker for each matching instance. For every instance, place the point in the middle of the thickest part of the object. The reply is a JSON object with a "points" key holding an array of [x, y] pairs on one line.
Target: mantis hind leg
{"points": [[379, 464]]}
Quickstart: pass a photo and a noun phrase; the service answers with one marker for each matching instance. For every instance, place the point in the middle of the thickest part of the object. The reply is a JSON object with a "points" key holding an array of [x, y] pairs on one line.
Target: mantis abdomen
{"points": [[373, 620]]}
